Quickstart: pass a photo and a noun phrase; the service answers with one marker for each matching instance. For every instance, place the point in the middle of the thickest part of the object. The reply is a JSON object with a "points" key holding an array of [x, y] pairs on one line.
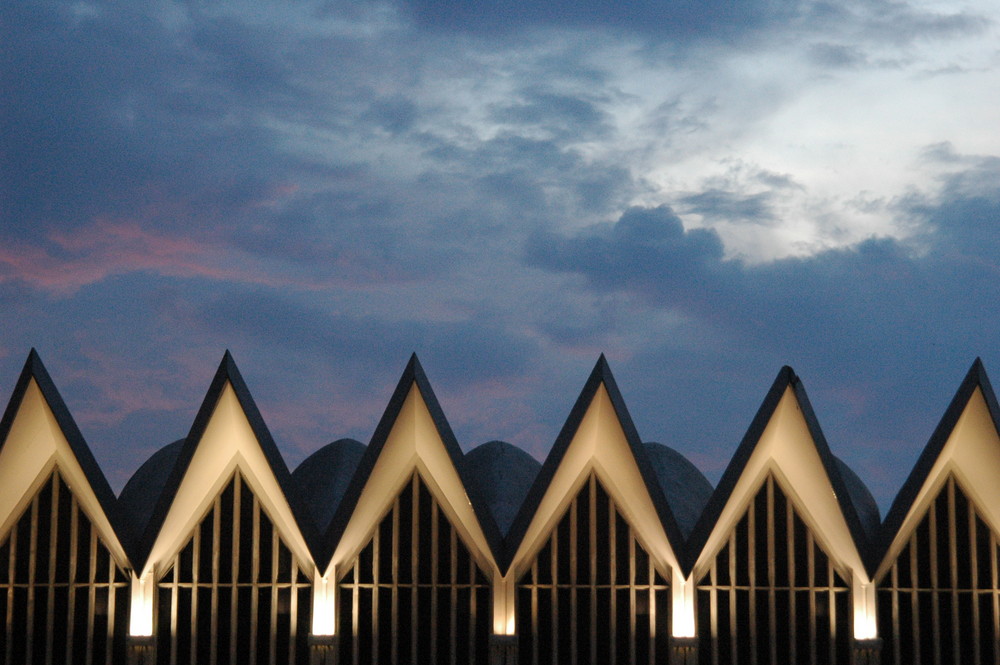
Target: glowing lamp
{"points": [[324, 619], [683, 623], [141, 613], [865, 627]]}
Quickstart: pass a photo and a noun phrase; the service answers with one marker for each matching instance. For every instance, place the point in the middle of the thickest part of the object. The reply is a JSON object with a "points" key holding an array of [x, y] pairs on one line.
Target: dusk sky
{"points": [[704, 190]]}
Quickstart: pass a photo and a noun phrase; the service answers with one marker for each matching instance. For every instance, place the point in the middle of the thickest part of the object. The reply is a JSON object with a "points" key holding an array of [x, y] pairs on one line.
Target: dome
{"points": [[140, 494], [684, 486], [864, 502], [323, 477], [501, 474]]}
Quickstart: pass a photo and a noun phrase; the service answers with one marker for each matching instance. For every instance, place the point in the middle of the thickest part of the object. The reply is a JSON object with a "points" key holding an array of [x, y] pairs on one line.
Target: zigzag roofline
{"points": [[975, 378]]}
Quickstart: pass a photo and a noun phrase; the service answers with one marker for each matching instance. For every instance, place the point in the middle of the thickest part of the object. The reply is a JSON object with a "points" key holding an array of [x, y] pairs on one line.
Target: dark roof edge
{"points": [[663, 508], [724, 490], [601, 374], [226, 373], [975, 378], [35, 369], [862, 539], [412, 375], [479, 505], [785, 379]]}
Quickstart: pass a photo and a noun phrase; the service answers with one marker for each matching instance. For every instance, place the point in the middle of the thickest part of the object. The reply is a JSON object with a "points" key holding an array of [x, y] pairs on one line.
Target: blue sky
{"points": [[704, 191]]}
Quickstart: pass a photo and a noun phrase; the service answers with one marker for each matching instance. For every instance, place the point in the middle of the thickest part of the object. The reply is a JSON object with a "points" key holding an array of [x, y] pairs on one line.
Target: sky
{"points": [[702, 190]]}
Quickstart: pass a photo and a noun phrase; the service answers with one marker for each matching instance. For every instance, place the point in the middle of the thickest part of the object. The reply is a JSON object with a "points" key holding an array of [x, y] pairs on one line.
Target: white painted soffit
{"points": [[972, 453], [35, 445], [227, 444], [413, 443], [599, 444], [787, 449]]}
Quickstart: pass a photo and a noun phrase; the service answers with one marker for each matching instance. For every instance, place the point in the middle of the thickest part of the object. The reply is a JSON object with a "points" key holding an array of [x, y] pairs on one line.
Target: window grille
{"points": [[234, 593], [772, 595], [62, 597], [940, 600], [414, 594], [593, 595]]}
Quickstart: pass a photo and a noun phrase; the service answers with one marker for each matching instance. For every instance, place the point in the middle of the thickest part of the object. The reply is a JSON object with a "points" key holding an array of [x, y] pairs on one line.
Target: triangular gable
{"points": [[965, 442], [785, 439], [38, 434], [598, 436], [413, 434], [228, 434]]}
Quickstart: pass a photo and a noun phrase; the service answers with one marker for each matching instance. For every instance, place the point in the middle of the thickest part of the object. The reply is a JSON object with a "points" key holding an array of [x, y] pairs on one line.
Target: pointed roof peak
{"points": [[786, 379], [976, 377], [35, 369], [413, 368], [413, 375], [600, 375], [228, 364], [227, 373], [906, 497], [978, 369]]}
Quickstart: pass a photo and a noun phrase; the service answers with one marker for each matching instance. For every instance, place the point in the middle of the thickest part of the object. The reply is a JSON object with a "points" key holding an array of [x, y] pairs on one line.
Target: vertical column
{"points": [[867, 647], [323, 642], [323, 649], [503, 640], [503, 649], [141, 639], [683, 641]]}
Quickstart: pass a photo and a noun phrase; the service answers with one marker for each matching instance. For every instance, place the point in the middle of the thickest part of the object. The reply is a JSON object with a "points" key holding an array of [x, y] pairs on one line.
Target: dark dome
{"points": [[864, 502], [140, 494], [322, 478], [501, 474], [685, 487]]}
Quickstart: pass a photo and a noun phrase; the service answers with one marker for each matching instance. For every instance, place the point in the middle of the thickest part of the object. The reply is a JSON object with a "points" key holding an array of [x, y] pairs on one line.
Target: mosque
{"points": [[405, 551]]}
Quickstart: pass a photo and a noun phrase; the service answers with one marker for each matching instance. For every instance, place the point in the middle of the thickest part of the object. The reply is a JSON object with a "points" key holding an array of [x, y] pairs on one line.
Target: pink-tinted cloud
{"points": [[121, 388], [106, 247]]}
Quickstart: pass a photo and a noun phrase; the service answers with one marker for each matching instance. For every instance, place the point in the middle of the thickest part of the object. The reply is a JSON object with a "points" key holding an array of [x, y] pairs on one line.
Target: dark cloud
{"points": [[115, 113], [394, 114], [867, 326], [837, 56], [714, 21], [683, 19], [558, 115], [647, 250], [718, 204]]}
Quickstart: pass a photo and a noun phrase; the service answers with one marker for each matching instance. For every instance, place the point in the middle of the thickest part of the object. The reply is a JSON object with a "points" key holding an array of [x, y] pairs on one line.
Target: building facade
{"points": [[409, 551]]}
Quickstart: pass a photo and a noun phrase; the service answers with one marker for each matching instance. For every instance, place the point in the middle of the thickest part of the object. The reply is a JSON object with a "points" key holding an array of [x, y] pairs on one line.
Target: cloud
{"points": [[716, 205], [686, 22], [80, 257], [325, 188], [837, 56], [684, 19], [862, 324]]}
